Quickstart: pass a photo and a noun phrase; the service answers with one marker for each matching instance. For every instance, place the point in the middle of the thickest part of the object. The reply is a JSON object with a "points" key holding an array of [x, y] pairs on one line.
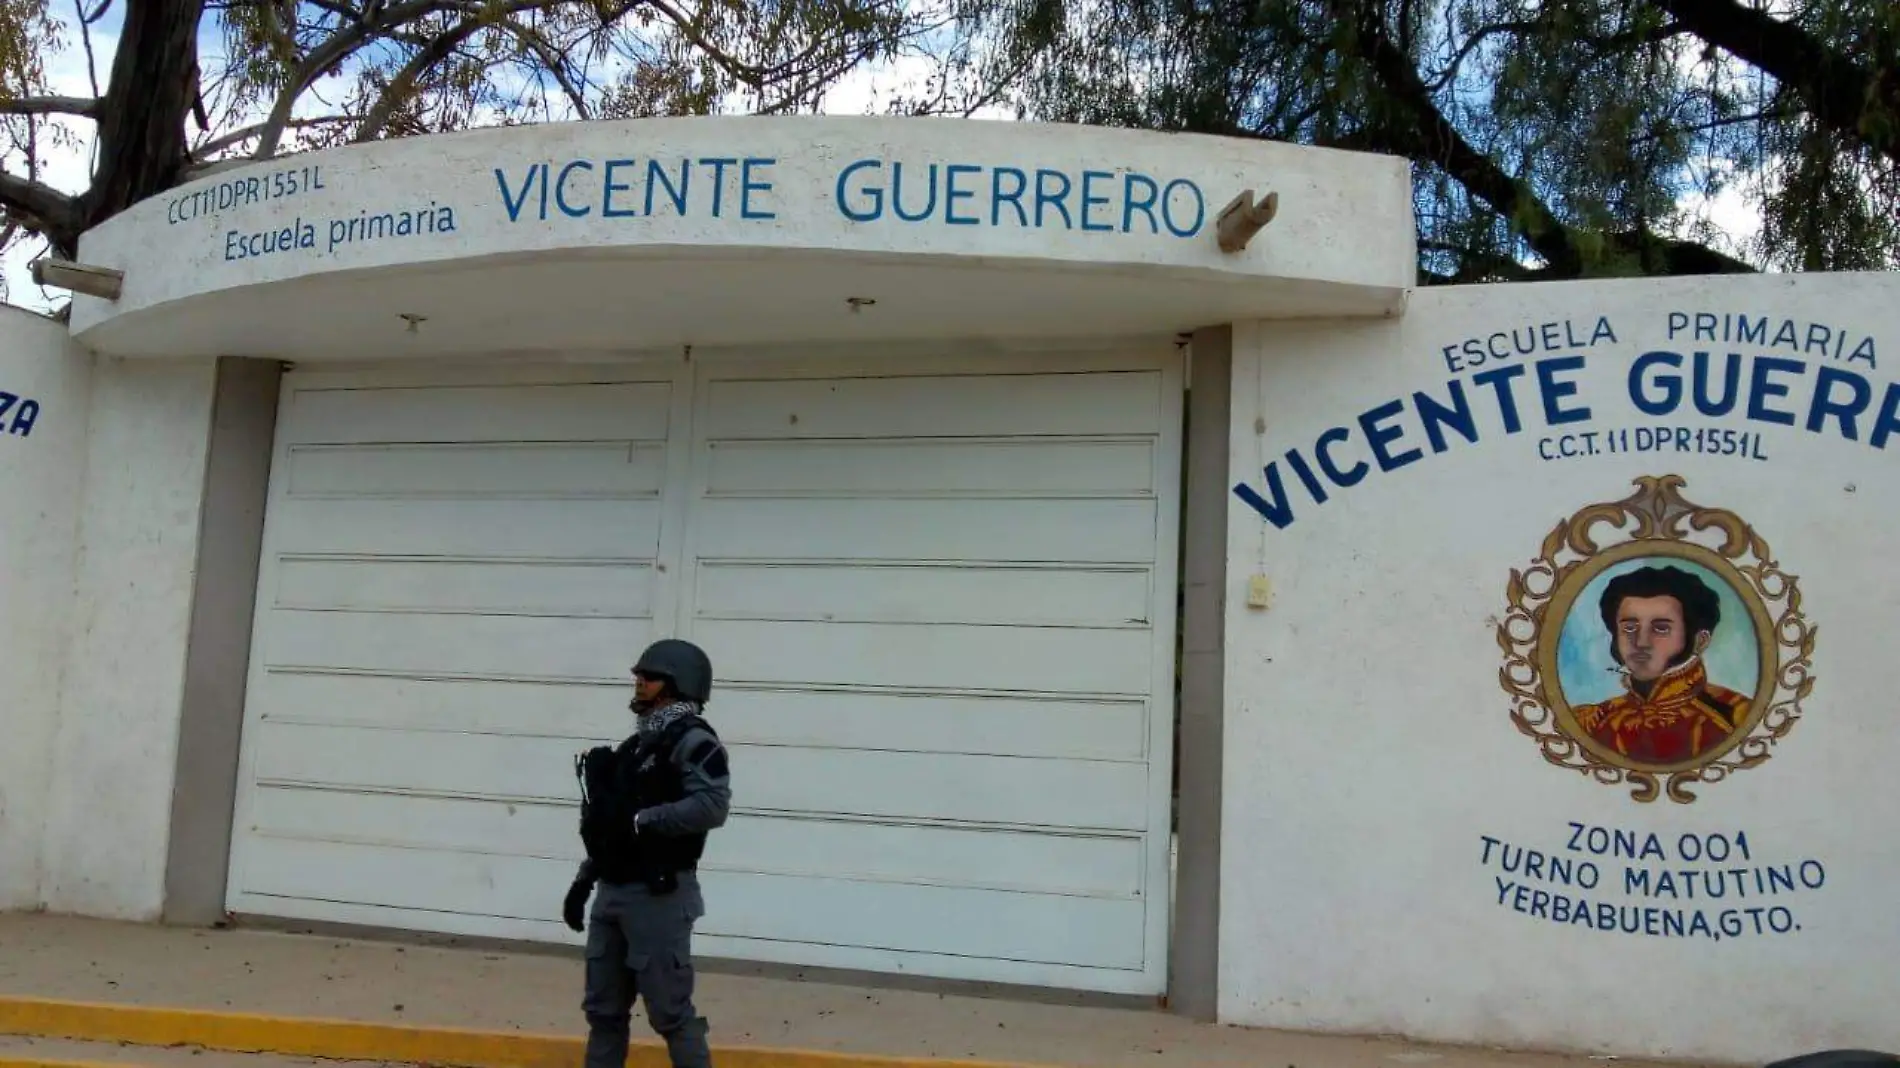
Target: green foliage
{"points": [[431, 67], [27, 36], [1550, 139]]}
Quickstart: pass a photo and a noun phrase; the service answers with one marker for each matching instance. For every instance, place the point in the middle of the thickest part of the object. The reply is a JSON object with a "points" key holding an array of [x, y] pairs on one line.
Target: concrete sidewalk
{"points": [[295, 975]]}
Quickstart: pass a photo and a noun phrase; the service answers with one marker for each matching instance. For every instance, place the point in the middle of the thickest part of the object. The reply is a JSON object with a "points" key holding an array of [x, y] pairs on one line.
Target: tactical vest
{"points": [[616, 783]]}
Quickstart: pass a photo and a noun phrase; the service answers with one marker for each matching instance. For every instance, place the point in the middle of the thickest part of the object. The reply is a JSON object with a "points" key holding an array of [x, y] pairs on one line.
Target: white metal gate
{"points": [[939, 597]]}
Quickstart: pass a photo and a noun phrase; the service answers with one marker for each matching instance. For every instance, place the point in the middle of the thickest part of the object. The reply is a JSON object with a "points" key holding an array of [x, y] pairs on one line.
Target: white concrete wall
{"points": [[988, 193], [43, 406], [1370, 744], [115, 753]]}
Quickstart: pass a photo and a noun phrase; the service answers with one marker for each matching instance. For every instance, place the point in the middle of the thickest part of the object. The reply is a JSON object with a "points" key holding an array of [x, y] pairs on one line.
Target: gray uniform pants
{"points": [[640, 946]]}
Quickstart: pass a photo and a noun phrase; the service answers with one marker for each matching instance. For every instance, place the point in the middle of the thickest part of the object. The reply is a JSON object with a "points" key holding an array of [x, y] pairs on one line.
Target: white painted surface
{"points": [[545, 238], [939, 604], [115, 754], [44, 382], [1368, 739]]}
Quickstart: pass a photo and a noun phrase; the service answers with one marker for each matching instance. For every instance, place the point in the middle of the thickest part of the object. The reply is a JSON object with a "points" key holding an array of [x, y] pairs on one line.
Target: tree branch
{"points": [[1666, 255], [1432, 137], [403, 86], [40, 207], [1471, 44], [1839, 92], [339, 46], [1475, 266], [238, 137], [555, 67], [51, 105], [743, 71], [85, 38], [1435, 139]]}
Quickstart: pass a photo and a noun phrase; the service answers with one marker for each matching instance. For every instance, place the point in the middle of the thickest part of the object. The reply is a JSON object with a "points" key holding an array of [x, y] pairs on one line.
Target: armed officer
{"points": [[646, 808]]}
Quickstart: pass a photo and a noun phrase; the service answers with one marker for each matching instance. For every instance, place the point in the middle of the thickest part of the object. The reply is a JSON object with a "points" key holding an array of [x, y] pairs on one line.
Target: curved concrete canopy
{"points": [[714, 231]]}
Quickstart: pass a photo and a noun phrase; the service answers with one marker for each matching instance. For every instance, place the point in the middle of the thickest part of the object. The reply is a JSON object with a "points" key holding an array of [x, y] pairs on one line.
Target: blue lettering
{"points": [[1279, 512], [1554, 391], [658, 178], [1731, 385], [1889, 420], [1671, 384], [1089, 201], [609, 187], [1762, 389], [1146, 205], [1485, 857], [875, 194], [897, 194], [509, 199], [1013, 198], [1044, 198], [1499, 379], [952, 194], [1167, 208], [1380, 436], [560, 190], [719, 166], [24, 419], [1298, 463], [1348, 478], [1847, 412], [1436, 416], [747, 186]]}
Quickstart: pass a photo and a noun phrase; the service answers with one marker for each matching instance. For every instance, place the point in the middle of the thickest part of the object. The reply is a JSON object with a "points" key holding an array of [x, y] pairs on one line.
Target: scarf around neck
{"points": [[653, 722]]}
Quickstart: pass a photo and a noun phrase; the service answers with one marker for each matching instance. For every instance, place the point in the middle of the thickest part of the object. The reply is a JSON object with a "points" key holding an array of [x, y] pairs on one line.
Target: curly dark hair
{"points": [[1701, 607]]}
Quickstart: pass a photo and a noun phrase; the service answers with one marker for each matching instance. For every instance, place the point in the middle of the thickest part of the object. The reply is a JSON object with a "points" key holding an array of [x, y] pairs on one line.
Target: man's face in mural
{"points": [[1650, 636]]}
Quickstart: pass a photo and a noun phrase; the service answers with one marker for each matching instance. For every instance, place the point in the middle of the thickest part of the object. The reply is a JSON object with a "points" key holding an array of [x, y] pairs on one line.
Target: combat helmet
{"points": [[683, 664]]}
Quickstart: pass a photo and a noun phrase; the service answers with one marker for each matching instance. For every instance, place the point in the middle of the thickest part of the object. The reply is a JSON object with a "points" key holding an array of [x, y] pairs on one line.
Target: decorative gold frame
{"points": [[1656, 520]]}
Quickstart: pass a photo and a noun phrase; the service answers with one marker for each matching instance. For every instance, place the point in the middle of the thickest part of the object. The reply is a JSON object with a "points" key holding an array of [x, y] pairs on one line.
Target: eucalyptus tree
{"points": [[1550, 138]]}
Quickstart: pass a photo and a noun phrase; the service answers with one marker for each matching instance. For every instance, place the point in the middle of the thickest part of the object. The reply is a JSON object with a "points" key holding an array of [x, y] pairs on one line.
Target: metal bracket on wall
{"points": [[1242, 218]]}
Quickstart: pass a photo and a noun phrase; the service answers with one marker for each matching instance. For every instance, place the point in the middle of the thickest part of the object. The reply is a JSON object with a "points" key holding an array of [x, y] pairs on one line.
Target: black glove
{"points": [[574, 910]]}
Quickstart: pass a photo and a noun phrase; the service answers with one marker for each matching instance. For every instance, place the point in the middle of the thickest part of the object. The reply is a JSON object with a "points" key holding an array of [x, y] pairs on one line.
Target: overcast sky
{"points": [[69, 169]]}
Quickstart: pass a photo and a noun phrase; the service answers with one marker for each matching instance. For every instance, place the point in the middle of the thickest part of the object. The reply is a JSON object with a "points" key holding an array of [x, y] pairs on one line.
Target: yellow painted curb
{"points": [[297, 1036], [43, 1062]]}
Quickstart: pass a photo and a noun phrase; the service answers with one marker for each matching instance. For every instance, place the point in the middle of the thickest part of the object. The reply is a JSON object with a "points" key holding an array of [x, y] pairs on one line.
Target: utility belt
{"points": [[659, 878]]}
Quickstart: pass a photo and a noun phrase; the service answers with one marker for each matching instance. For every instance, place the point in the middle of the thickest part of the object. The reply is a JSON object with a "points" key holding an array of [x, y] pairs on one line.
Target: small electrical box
{"points": [[1259, 592]]}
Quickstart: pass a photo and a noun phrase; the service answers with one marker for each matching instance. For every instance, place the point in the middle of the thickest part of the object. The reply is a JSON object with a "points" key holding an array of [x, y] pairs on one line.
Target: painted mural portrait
{"points": [[1655, 642], [1659, 622]]}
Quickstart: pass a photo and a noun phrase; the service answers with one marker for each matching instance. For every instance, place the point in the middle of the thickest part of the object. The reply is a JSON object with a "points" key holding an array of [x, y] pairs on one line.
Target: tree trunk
{"points": [[142, 145]]}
